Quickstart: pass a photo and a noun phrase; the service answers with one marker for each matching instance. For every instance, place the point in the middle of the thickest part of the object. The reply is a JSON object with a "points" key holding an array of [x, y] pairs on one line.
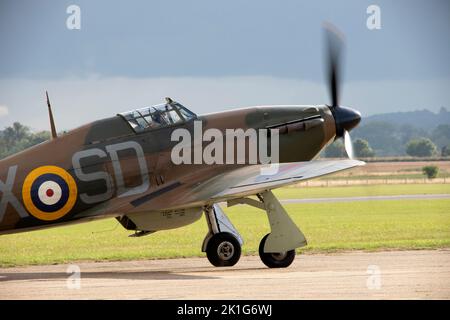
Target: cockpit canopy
{"points": [[161, 115]]}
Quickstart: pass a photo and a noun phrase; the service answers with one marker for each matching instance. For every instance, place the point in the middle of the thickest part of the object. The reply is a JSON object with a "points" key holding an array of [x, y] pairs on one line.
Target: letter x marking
{"points": [[8, 196]]}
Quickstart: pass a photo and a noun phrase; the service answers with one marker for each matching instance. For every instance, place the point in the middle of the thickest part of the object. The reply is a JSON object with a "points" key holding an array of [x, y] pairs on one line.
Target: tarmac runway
{"points": [[421, 274]]}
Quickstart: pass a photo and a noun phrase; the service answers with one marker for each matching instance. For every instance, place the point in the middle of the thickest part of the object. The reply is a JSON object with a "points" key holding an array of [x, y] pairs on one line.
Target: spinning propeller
{"points": [[345, 118]]}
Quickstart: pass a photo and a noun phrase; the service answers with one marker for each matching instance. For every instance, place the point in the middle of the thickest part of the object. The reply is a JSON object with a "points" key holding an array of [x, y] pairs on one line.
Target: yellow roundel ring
{"points": [[49, 193]]}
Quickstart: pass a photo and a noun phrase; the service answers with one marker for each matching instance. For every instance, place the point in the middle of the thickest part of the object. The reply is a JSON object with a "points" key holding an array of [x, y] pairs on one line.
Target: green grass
{"points": [[360, 190], [369, 225]]}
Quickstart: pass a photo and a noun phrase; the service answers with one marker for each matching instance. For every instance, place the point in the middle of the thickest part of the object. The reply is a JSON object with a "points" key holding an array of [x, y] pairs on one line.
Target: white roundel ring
{"points": [[49, 192]]}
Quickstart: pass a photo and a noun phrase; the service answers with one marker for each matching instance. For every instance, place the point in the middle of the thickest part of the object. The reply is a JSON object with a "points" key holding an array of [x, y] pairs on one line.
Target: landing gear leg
{"points": [[223, 243], [277, 249]]}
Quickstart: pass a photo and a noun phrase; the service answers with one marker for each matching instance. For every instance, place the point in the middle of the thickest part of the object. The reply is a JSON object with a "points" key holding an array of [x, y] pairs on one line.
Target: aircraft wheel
{"points": [[275, 260], [223, 250]]}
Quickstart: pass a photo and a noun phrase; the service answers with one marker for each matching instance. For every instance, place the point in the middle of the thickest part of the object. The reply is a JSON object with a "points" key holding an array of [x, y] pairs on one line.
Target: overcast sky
{"points": [[213, 55]]}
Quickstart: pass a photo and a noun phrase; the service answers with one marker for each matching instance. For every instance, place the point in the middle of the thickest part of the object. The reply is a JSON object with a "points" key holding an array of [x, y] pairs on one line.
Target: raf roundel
{"points": [[49, 193]]}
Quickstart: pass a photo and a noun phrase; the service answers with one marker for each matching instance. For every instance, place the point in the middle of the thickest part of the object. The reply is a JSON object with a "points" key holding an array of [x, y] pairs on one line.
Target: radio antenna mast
{"points": [[50, 115]]}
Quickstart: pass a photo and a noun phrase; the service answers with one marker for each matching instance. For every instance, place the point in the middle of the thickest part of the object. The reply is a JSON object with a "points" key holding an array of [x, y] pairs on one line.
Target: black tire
{"points": [[223, 250], [275, 260]]}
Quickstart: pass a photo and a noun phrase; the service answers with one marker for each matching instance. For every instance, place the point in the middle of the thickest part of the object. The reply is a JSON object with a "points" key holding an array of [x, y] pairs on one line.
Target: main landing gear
{"points": [[223, 243], [275, 259]]}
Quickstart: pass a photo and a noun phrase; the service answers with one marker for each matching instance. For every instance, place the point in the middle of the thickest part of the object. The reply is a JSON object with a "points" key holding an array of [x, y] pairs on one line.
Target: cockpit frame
{"points": [[159, 116]]}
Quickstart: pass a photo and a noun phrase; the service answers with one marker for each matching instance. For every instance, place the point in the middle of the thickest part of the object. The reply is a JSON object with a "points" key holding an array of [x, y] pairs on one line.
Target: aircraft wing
{"points": [[251, 180], [242, 182]]}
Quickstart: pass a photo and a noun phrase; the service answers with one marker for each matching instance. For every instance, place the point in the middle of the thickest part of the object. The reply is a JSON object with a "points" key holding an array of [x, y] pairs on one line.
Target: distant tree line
{"points": [[19, 137], [385, 139]]}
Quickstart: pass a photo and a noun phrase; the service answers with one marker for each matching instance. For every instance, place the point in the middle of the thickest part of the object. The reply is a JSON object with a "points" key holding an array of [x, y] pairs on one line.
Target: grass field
{"points": [[368, 225], [363, 190]]}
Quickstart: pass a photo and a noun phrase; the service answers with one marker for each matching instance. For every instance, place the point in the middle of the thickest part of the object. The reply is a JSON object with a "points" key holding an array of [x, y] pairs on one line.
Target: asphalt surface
{"points": [[370, 198], [422, 274]]}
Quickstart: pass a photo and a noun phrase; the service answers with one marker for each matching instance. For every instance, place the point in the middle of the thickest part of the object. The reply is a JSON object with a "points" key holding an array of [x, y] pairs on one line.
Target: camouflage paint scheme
{"points": [[170, 186]]}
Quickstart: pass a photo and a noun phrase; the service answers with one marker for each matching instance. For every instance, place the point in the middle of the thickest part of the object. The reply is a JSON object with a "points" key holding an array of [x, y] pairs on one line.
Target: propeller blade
{"points": [[335, 46], [348, 144]]}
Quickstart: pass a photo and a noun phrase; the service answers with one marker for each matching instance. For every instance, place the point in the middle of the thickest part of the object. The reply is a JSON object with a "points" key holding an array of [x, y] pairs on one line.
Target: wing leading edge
{"points": [[254, 180]]}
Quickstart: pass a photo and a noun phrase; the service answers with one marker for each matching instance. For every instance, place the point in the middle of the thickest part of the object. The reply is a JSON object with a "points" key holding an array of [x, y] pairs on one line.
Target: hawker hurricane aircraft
{"points": [[163, 167]]}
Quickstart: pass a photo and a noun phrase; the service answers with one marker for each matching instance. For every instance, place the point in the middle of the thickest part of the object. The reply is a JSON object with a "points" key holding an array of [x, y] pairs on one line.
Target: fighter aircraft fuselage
{"points": [[105, 163]]}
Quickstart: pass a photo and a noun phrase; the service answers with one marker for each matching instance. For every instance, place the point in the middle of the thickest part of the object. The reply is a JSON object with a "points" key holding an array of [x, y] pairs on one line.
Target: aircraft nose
{"points": [[346, 119]]}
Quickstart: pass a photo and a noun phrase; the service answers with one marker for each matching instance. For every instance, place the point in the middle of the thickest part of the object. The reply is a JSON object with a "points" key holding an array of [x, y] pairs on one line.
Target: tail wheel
{"points": [[223, 250], [275, 260]]}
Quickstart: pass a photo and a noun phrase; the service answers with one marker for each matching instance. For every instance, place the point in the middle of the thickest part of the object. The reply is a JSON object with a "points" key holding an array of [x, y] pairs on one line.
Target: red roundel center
{"points": [[49, 192]]}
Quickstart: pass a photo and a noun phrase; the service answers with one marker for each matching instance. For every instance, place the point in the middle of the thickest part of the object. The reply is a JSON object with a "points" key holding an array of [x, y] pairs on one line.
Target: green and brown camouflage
{"points": [[111, 165]]}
